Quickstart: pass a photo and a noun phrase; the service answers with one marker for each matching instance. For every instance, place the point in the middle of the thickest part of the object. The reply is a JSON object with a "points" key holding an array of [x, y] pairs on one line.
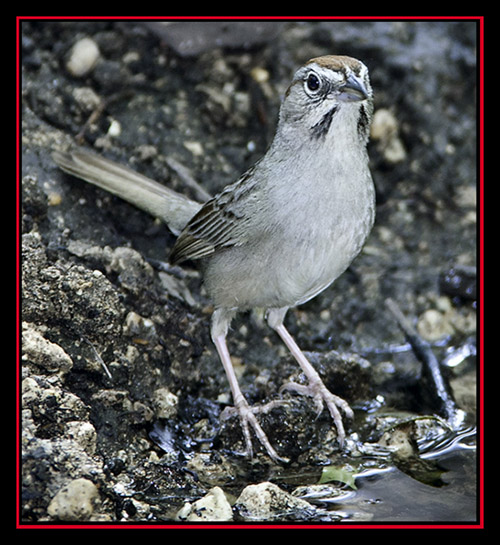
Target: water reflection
{"points": [[438, 485]]}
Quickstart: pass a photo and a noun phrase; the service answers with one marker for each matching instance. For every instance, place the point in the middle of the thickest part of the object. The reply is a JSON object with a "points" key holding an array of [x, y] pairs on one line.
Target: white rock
{"points": [[433, 325], [265, 501], [115, 129], [384, 125], [86, 98], [214, 506], [38, 350], [83, 57], [259, 74], [165, 403], [385, 130], [75, 501], [196, 148], [84, 434]]}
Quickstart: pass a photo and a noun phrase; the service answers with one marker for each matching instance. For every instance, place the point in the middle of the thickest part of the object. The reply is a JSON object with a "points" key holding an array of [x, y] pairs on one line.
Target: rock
{"points": [[211, 468], [134, 272], [55, 292], [40, 351], [400, 440], [434, 325], [84, 434], [165, 403], [385, 131], [47, 399], [190, 38], [83, 57], [75, 501], [86, 98], [214, 506], [323, 493], [267, 501], [141, 329]]}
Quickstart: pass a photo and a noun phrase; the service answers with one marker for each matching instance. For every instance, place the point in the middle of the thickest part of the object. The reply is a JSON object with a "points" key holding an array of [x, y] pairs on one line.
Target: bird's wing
{"points": [[219, 224]]}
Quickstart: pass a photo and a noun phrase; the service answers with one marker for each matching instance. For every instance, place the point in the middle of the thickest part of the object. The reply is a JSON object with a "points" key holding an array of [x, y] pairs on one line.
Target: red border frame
{"points": [[344, 525]]}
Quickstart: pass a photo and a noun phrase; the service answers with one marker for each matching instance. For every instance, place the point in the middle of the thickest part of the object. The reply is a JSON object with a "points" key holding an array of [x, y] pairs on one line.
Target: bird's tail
{"points": [[160, 201]]}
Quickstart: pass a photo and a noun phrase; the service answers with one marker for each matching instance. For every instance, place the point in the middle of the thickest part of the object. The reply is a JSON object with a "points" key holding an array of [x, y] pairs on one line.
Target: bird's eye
{"points": [[313, 82]]}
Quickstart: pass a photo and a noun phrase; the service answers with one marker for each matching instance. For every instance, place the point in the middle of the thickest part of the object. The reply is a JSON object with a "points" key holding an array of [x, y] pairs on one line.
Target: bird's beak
{"points": [[353, 90]]}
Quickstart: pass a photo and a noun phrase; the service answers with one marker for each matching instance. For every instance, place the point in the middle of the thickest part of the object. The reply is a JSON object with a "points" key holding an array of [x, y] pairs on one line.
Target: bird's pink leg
{"points": [[315, 386]]}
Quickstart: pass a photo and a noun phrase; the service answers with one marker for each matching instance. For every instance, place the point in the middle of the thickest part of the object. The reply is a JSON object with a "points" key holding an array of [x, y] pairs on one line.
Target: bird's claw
{"points": [[321, 397], [248, 420]]}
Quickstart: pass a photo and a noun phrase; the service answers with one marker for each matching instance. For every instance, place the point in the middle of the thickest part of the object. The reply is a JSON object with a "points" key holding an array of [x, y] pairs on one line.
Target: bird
{"points": [[282, 232]]}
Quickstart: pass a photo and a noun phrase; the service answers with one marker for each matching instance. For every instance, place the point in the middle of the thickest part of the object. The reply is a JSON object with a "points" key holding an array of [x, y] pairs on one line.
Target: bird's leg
{"points": [[220, 324], [315, 386]]}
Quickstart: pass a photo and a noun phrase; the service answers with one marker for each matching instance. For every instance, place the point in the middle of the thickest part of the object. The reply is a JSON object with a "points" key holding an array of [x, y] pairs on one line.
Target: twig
{"points": [[97, 112], [444, 400], [94, 116], [186, 176], [98, 358]]}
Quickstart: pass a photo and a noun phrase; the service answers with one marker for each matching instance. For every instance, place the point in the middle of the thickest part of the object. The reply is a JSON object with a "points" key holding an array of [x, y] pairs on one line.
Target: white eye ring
{"points": [[312, 83]]}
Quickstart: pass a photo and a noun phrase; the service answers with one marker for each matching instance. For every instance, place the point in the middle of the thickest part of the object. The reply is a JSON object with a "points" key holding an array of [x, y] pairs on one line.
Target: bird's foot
{"points": [[248, 420], [321, 397]]}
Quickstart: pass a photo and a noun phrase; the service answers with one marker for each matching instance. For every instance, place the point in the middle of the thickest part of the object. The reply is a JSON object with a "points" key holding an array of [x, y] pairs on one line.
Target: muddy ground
{"points": [[121, 385]]}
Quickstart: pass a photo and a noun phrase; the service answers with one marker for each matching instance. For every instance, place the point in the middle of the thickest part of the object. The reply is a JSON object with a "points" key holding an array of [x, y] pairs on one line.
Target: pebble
{"points": [[54, 198], [83, 57], [141, 329], [165, 403], [196, 148], [40, 351], [214, 506], [86, 98], [115, 129], [385, 130], [84, 434], [260, 75], [75, 501], [265, 501], [434, 325]]}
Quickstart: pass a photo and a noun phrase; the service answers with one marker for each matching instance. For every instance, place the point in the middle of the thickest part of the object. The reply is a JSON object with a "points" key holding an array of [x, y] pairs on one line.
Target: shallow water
{"points": [[393, 496], [437, 486]]}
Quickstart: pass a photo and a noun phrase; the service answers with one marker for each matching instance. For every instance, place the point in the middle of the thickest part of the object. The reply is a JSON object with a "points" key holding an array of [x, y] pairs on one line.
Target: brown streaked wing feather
{"points": [[209, 230], [216, 225]]}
